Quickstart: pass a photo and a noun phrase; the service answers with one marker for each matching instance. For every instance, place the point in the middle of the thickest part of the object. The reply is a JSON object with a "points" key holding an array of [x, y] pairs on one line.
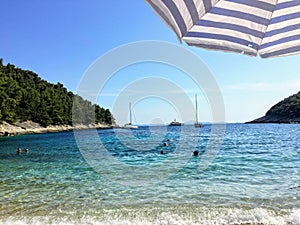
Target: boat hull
{"points": [[175, 124], [130, 126], [197, 125]]}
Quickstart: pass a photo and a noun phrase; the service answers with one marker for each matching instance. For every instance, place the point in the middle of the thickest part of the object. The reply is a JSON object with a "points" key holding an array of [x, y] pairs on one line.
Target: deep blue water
{"points": [[120, 176]]}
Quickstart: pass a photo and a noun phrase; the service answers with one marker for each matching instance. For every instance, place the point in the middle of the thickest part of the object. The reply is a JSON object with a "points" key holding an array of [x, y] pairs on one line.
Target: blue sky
{"points": [[59, 40]]}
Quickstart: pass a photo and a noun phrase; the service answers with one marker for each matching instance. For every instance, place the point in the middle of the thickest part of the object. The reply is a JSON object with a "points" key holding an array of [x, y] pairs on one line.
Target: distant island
{"points": [[286, 111], [26, 99]]}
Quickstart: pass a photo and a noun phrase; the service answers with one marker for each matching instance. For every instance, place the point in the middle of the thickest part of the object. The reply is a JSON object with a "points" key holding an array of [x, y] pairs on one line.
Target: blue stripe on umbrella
{"points": [[240, 15], [190, 4], [229, 26], [177, 15], [207, 5], [257, 4], [283, 30], [222, 37], [281, 52], [223, 48], [280, 41], [289, 4], [162, 15], [285, 18]]}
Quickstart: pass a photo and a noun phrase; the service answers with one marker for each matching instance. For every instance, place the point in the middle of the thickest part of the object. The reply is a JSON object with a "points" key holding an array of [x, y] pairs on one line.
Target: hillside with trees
{"points": [[24, 96], [286, 111]]}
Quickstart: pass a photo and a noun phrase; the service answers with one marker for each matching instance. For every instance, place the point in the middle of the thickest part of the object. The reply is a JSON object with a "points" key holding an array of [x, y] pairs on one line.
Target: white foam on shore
{"points": [[203, 216]]}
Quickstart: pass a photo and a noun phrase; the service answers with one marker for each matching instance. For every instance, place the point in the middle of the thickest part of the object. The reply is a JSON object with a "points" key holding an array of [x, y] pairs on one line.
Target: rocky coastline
{"points": [[285, 111], [29, 127], [275, 119]]}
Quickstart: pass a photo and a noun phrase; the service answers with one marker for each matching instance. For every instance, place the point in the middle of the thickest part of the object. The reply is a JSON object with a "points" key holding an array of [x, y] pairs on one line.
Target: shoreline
{"points": [[275, 119], [29, 127], [164, 215]]}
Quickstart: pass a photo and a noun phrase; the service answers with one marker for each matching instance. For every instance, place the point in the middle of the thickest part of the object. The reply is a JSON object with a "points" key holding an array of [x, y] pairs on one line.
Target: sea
{"points": [[243, 174]]}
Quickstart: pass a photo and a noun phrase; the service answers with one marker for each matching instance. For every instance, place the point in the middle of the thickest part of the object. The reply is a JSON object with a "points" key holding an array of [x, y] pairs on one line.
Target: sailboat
{"points": [[197, 124], [130, 125]]}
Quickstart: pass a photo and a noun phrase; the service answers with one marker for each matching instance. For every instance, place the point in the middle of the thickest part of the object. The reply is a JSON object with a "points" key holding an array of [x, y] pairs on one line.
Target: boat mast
{"points": [[130, 114], [196, 109]]}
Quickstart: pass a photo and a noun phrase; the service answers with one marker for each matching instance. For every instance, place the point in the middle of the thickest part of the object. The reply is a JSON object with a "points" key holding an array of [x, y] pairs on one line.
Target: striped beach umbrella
{"points": [[269, 28]]}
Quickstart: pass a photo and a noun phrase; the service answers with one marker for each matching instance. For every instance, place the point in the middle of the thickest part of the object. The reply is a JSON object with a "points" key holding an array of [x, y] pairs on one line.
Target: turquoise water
{"points": [[253, 178]]}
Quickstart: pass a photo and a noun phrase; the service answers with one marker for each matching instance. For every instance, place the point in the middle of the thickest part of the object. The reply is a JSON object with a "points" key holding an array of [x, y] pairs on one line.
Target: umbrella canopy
{"points": [[266, 27]]}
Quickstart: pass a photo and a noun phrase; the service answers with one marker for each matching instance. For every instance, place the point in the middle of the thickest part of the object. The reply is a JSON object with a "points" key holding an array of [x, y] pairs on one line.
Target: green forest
{"points": [[289, 108], [25, 96]]}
